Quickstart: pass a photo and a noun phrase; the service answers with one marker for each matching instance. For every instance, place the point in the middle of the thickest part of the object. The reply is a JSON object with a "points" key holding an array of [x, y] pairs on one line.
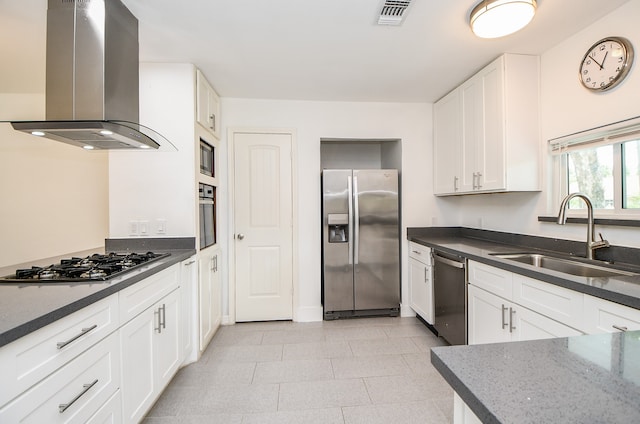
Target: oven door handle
{"points": [[455, 264]]}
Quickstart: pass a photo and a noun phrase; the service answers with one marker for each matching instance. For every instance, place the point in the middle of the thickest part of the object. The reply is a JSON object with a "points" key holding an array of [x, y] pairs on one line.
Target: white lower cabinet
{"points": [[110, 412], [420, 281], [487, 316], [74, 392], [209, 296], [462, 414], [189, 294], [493, 318], [602, 316], [151, 354], [35, 356]]}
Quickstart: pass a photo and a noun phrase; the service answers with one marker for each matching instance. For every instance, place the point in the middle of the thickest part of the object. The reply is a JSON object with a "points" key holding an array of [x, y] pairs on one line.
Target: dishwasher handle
{"points": [[447, 261]]}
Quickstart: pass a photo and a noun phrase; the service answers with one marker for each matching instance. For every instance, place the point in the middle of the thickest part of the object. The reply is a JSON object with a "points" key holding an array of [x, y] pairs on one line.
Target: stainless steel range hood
{"points": [[92, 87]]}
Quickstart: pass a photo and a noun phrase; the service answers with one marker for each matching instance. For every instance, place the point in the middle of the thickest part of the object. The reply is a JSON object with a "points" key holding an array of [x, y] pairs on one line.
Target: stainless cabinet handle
{"points": [[475, 175], [504, 322], [620, 328], [511, 326], [192, 261], [455, 183], [479, 180], [417, 252], [213, 121], [159, 327], [83, 332], [425, 275], [164, 316], [240, 236], [85, 388]]}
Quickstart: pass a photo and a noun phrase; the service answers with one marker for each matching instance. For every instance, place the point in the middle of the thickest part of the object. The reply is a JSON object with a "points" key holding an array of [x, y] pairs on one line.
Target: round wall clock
{"points": [[606, 63]]}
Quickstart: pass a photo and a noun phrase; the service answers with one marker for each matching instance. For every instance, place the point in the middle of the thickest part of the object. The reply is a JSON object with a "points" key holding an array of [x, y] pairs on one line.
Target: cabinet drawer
{"points": [[29, 359], [110, 412], [602, 316], [493, 280], [83, 385], [140, 296], [420, 253], [558, 303]]}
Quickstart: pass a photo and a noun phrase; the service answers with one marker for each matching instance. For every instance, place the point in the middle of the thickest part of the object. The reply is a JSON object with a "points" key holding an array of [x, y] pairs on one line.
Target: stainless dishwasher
{"points": [[450, 297]]}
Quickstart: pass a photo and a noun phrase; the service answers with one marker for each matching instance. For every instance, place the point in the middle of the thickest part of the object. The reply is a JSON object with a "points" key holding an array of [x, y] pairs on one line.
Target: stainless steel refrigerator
{"points": [[360, 242]]}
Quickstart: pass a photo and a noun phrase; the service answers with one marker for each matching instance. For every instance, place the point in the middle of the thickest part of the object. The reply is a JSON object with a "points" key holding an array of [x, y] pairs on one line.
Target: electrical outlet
{"points": [[143, 226], [134, 229], [161, 226]]}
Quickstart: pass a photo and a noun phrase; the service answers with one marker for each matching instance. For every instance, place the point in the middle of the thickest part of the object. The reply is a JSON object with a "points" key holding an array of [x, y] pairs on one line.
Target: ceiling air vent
{"points": [[393, 12]]}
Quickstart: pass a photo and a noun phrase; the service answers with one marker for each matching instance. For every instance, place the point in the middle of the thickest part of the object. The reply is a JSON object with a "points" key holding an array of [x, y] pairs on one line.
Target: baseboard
{"points": [[226, 320], [308, 314]]}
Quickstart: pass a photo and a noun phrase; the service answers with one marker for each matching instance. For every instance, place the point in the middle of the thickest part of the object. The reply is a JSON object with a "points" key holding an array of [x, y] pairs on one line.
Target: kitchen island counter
{"points": [[27, 307], [592, 378]]}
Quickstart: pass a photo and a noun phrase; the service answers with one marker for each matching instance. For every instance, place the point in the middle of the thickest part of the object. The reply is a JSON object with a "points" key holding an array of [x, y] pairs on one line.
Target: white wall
{"points": [[148, 186], [566, 107], [315, 120], [54, 196]]}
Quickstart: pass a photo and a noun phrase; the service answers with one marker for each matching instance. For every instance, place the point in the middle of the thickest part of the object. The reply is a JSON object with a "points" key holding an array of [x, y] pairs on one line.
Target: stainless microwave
{"points": [[207, 159], [207, 211]]}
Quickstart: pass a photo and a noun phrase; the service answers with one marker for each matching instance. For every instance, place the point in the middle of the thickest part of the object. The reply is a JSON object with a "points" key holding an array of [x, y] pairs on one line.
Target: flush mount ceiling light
{"points": [[497, 18]]}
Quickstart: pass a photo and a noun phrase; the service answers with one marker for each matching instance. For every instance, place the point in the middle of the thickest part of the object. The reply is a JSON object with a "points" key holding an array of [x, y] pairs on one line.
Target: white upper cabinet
{"points": [[208, 105], [447, 144], [486, 131]]}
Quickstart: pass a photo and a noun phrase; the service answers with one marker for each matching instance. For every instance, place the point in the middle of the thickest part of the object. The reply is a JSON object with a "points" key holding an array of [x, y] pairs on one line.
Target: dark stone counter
{"points": [[584, 379]]}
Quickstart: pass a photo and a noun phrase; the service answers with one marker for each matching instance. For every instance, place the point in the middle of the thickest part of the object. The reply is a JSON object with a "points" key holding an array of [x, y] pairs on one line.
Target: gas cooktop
{"points": [[97, 267]]}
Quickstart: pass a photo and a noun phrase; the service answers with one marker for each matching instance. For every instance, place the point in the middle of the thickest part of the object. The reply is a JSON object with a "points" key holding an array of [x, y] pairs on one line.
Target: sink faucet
{"points": [[592, 244]]}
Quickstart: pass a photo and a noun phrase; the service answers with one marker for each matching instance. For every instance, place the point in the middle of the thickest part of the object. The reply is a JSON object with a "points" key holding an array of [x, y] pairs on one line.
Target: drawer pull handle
{"points": [[85, 388], [505, 324], [620, 328], [511, 326], [417, 252], [76, 337], [164, 315]]}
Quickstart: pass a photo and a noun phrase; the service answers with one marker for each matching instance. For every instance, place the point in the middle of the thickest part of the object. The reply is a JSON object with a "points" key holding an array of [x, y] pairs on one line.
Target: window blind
{"points": [[617, 132]]}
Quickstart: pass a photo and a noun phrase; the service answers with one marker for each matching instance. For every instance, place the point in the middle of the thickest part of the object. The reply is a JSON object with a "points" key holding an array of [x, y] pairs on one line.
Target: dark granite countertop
{"points": [[25, 308], [479, 245], [584, 379]]}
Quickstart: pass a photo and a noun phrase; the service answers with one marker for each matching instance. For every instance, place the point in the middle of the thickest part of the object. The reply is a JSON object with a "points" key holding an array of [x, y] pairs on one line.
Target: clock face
{"points": [[606, 63]]}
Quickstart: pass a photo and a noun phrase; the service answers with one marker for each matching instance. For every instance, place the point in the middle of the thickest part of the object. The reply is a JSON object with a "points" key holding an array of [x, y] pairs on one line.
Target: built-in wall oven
{"points": [[450, 297], [207, 211]]}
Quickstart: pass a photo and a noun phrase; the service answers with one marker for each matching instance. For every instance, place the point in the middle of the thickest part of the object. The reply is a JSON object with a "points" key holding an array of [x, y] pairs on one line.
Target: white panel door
{"points": [[488, 317], [263, 226]]}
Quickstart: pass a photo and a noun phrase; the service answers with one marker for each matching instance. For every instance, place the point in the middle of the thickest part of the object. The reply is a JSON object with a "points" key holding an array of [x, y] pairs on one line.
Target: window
{"points": [[604, 164]]}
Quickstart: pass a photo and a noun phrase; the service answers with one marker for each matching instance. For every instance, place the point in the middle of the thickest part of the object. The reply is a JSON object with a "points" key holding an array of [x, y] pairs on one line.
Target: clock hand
{"points": [[597, 63], [603, 59]]}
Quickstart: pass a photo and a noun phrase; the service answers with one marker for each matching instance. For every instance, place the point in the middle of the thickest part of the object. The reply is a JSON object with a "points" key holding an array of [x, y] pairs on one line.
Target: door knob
{"points": [[240, 236]]}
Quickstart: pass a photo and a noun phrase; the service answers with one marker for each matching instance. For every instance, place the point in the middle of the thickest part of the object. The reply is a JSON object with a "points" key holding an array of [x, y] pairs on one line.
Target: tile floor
{"points": [[368, 370]]}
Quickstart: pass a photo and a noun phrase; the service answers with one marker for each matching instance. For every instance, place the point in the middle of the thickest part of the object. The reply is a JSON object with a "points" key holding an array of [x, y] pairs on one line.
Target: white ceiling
{"points": [[306, 49]]}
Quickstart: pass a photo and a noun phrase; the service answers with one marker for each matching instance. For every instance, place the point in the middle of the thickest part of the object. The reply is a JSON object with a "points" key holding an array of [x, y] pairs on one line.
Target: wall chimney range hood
{"points": [[92, 87]]}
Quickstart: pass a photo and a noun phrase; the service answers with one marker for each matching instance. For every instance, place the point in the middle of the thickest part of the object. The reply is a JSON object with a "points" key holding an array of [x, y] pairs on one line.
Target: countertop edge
{"points": [[478, 408]]}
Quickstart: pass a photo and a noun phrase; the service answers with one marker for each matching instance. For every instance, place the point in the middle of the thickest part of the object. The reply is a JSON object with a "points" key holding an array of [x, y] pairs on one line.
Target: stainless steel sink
{"points": [[567, 266]]}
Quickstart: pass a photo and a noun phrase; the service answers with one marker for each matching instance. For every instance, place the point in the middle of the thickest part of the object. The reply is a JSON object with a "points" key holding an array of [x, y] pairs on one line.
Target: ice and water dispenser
{"points": [[338, 224]]}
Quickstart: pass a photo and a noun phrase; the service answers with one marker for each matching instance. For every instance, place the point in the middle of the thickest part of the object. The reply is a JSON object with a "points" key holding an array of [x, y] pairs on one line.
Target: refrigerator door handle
{"points": [[350, 224], [356, 222]]}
